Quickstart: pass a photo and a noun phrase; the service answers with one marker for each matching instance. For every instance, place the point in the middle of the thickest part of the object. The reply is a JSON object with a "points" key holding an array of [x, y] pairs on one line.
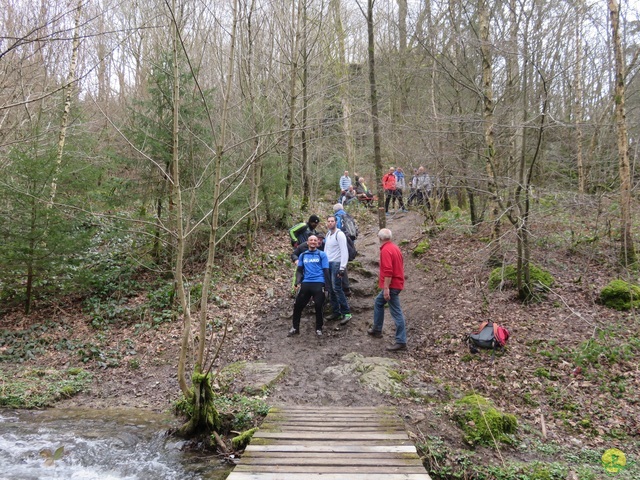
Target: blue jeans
{"points": [[396, 313], [338, 299]]}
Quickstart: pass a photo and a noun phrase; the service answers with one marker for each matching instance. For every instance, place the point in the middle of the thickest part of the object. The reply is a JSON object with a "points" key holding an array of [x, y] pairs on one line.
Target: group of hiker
{"points": [[394, 184], [321, 270]]}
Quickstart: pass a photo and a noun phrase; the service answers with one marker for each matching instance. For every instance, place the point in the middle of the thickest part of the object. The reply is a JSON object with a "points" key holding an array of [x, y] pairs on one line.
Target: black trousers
{"points": [[392, 194], [308, 290]]}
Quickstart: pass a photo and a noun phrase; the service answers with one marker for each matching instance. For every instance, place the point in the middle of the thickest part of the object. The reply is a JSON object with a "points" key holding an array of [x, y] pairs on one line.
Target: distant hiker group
{"points": [[321, 261], [394, 184]]}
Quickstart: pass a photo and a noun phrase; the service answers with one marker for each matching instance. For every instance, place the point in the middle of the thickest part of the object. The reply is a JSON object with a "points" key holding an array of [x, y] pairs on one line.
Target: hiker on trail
{"points": [[304, 246], [423, 187], [389, 185], [345, 183], [300, 232], [412, 187], [391, 281], [336, 249], [339, 213], [400, 186], [312, 280]]}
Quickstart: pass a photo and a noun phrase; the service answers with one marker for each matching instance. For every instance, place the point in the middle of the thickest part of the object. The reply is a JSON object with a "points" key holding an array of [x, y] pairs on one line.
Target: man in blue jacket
{"points": [[312, 279]]}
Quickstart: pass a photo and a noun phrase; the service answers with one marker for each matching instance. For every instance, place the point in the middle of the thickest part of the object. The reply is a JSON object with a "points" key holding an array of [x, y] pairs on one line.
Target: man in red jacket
{"points": [[391, 281]]}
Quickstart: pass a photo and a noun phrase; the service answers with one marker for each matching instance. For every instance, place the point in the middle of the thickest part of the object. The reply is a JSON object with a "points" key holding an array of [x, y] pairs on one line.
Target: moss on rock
{"points": [[241, 441], [508, 276], [482, 423], [620, 295]]}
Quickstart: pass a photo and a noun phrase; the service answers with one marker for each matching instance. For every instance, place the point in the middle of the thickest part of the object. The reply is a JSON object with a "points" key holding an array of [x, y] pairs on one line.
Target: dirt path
{"points": [[308, 356]]}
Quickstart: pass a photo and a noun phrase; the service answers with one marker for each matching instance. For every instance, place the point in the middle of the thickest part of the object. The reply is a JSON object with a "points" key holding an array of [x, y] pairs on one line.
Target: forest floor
{"points": [[569, 372]]}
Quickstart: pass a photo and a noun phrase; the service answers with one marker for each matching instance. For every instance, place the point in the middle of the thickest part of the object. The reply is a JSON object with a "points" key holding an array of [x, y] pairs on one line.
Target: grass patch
{"points": [[39, 388]]}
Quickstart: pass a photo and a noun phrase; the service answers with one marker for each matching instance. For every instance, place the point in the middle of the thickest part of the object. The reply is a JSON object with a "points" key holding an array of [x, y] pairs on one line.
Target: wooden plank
{"points": [[355, 448], [352, 455], [304, 469], [341, 443], [381, 410], [333, 460], [327, 476], [349, 436], [308, 442]]}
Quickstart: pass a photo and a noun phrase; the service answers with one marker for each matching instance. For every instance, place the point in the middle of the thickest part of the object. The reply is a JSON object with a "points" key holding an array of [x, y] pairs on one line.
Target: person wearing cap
{"points": [[301, 231]]}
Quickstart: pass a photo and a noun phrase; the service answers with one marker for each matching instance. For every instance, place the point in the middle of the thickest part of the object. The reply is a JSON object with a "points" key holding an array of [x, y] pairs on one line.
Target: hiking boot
{"points": [[397, 347], [404, 210], [346, 318], [374, 333], [333, 316], [293, 331], [319, 333]]}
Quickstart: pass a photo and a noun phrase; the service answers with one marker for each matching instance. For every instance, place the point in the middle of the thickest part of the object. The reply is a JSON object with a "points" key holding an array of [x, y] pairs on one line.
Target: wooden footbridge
{"points": [[300, 443]]}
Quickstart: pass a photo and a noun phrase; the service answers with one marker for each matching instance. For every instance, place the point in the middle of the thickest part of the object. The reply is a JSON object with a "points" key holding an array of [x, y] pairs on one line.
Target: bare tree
{"points": [[628, 252]]}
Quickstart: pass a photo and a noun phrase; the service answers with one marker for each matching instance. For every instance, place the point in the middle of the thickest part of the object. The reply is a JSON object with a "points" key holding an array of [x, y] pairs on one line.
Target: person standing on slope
{"points": [[391, 282], [312, 280]]}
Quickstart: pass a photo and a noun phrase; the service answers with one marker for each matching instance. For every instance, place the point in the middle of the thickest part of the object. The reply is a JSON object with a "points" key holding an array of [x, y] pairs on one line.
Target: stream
{"points": [[98, 444]]}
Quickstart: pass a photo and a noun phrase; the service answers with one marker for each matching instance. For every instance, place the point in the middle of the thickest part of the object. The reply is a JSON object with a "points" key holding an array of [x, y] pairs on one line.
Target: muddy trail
{"points": [[308, 381]]}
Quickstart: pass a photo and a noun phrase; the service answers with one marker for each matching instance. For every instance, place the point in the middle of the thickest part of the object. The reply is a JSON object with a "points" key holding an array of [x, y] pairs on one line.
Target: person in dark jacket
{"points": [[301, 231]]}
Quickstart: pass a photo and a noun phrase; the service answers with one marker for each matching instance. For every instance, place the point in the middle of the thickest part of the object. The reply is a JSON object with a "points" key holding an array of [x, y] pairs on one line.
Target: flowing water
{"points": [[98, 445]]}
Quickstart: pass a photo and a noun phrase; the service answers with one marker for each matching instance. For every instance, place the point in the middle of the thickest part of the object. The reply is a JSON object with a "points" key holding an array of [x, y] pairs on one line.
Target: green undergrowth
{"points": [[507, 277], [39, 388], [549, 461]]}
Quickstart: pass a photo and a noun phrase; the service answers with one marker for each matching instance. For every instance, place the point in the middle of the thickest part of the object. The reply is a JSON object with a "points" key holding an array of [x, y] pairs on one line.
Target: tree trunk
{"points": [[293, 96], [306, 183], [577, 102], [627, 253], [71, 80], [343, 81], [375, 122], [490, 156]]}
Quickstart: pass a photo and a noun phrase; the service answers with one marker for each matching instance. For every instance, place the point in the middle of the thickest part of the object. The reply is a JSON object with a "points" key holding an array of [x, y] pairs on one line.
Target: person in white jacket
{"points": [[336, 249]]}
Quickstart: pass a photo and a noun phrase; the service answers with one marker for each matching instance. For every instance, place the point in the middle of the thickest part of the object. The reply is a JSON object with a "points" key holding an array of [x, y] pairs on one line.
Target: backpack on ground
{"points": [[489, 335], [351, 247], [348, 226]]}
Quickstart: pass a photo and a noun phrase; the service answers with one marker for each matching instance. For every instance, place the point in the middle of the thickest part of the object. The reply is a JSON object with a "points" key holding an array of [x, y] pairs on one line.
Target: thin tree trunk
{"points": [[375, 122], [628, 254], [254, 176], [306, 183], [176, 201], [71, 80], [490, 156], [293, 96], [577, 104], [343, 81], [220, 150]]}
